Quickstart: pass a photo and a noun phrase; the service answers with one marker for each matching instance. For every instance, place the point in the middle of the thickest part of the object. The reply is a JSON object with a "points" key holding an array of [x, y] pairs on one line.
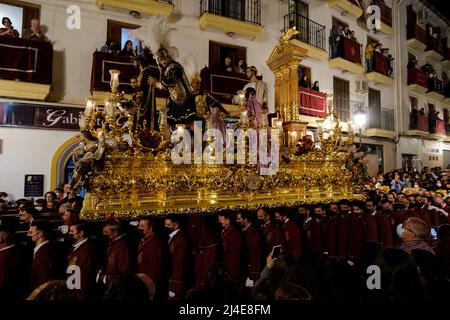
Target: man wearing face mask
{"points": [[413, 233], [355, 227], [272, 232], [117, 253], [179, 252], [232, 245], [9, 266], [150, 259], [43, 268], [426, 212], [83, 255]]}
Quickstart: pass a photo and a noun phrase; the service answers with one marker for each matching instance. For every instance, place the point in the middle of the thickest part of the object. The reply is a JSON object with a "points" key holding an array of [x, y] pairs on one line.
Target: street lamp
{"points": [[360, 121]]}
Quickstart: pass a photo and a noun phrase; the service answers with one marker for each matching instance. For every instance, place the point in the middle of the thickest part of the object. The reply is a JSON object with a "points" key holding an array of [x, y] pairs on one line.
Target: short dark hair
{"points": [[174, 218], [148, 219], [358, 204], [31, 210], [226, 214], [246, 215], [3, 194], [42, 226], [253, 68], [6, 18], [81, 226]]}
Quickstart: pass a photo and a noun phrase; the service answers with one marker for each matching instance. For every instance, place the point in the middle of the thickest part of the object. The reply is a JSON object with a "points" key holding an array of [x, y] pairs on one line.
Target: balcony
{"points": [[434, 50], [417, 81], [386, 17], [415, 37], [350, 6], [25, 68], [380, 70], [238, 16], [348, 58], [418, 124], [161, 7], [435, 90], [311, 35], [446, 60], [385, 128]]}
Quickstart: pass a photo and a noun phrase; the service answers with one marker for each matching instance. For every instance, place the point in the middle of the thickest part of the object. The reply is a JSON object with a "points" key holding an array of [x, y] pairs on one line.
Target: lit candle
{"points": [[82, 122], [244, 117], [279, 124], [114, 78], [241, 99], [162, 118], [109, 108], [89, 107]]}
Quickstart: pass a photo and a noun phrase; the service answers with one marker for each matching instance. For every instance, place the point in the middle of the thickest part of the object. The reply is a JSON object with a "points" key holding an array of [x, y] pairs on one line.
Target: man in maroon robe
{"points": [[342, 229], [313, 229], [204, 246], [117, 253], [232, 245], [370, 223], [273, 235], [179, 254], [356, 229], [83, 255], [254, 245], [329, 231], [150, 258], [291, 234], [385, 234], [44, 267]]}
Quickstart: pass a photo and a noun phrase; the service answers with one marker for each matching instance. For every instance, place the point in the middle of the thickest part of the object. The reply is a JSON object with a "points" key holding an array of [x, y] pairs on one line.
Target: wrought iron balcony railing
{"points": [[310, 31], [244, 10]]}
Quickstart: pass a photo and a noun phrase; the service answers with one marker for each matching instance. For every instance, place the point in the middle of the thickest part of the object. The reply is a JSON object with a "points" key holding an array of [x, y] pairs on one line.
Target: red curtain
{"points": [[422, 123], [417, 76], [313, 103], [440, 127]]}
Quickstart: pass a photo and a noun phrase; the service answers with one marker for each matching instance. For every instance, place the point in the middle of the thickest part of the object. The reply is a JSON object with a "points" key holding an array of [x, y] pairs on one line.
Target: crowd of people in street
{"points": [[310, 252]]}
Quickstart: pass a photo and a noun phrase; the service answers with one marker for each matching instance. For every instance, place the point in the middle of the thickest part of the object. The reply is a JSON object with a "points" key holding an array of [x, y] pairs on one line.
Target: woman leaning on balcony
{"points": [[8, 30]]}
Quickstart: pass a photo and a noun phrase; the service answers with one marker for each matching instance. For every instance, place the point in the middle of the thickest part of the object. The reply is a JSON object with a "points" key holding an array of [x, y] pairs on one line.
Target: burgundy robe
{"points": [[342, 235], [355, 234], [293, 239], [328, 226], [204, 246], [10, 277], [179, 253], [150, 259], [117, 259], [43, 267], [314, 235], [232, 249], [370, 228], [273, 236], [384, 230], [85, 258], [254, 251]]}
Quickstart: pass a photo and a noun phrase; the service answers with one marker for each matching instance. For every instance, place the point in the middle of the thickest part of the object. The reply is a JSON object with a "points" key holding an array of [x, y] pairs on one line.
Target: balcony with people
{"points": [[312, 102], [136, 7], [345, 50], [416, 38], [26, 62], [434, 50], [418, 122], [379, 63], [347, 6], [386, 17], [311, 35], [435, 86], [417, 78], [234, 17]]}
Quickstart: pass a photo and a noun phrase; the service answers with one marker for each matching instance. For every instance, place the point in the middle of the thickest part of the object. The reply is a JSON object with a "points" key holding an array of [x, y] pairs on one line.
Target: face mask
{"points": [[39, 208], [400, 230], [260, 223], [168, 230], [438, 185]]}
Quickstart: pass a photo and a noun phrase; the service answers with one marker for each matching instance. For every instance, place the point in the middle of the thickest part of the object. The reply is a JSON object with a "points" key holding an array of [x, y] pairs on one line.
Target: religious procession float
{"points": [[135, 159]]}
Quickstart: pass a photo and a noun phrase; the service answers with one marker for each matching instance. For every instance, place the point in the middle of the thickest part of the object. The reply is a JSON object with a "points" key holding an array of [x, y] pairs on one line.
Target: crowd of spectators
{"points": [[33, 33]]}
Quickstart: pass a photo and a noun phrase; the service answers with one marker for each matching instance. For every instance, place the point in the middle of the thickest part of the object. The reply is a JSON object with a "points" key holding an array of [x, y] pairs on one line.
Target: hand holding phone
{"points": [[276, 250]]}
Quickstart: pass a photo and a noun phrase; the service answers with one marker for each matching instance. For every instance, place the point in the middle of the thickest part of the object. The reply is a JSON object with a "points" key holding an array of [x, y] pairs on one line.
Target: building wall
{"points": [[27, 151]]}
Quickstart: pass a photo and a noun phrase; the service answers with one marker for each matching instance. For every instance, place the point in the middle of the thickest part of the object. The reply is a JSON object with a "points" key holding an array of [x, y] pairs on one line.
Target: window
{"points": [[341, 98], [374, 108], [219, 51], [118, 32], [21, 13], [304, 71]]}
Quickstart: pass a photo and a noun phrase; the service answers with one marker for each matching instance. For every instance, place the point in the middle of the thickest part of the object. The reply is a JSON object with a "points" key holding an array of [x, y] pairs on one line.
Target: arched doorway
{"points": [[62, 165]]}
